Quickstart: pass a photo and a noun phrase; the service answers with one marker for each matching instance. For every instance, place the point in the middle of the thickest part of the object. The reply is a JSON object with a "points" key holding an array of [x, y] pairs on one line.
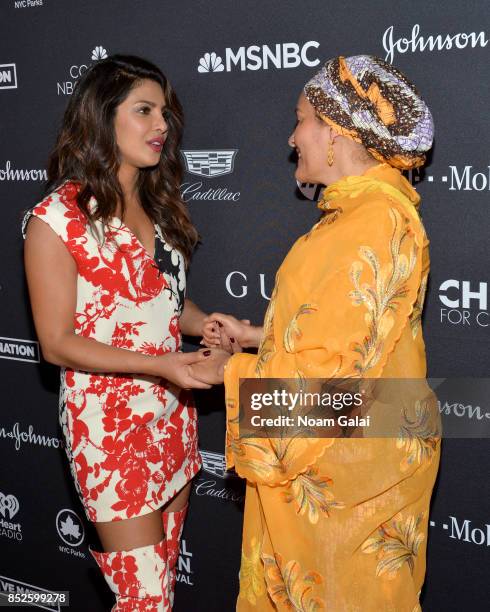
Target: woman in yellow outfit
{"points": [[341, 524]]}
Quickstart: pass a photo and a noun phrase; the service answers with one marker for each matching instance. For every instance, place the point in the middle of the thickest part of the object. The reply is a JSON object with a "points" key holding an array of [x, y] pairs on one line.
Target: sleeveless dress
{"points": [[131, 440]]}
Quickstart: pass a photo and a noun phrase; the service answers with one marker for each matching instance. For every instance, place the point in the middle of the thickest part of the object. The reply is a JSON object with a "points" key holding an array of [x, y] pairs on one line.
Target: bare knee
{"points": [[131, 533]]}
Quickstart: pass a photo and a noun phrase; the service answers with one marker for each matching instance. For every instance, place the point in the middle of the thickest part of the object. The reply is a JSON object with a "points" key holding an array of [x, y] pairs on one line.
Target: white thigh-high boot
{"points": [[138, 577], [173, 524]]}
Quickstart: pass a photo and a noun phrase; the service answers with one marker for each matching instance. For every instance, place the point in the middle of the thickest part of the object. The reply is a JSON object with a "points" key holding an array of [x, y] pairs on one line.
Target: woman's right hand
{"points": [[176, 368], [211, 370]]}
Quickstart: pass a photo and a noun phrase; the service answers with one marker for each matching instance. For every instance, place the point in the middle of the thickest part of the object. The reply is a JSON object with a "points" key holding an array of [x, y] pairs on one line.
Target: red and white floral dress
{"points": [[131, 440]]}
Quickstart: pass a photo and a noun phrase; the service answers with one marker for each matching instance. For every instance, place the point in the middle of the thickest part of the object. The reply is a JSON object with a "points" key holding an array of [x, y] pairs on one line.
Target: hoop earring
{"points": [[330, 153]]}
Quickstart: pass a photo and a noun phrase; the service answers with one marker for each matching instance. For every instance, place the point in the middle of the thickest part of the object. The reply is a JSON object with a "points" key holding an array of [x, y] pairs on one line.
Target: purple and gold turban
{"points": [[370, 101]]}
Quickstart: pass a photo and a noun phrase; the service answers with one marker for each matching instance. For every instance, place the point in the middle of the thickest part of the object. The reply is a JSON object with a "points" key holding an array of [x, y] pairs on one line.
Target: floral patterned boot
{"points": [[138, 577], [173, 524]]}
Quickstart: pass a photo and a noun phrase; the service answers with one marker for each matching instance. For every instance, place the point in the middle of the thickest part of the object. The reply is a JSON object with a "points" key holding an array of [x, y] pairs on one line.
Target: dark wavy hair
{"points": [[86, 151]]}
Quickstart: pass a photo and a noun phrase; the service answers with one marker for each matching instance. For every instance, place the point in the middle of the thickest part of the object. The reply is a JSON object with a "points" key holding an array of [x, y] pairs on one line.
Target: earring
{"points": [[330, 153]]}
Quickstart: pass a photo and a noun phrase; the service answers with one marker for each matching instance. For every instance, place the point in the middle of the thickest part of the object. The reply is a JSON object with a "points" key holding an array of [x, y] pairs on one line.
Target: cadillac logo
{"points": [[214, 463], [210, 163]]}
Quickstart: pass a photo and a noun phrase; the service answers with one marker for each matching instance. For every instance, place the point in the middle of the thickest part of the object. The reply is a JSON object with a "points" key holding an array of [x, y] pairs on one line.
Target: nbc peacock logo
{"points": [[99, 53], [77, 70], [210, 62]]}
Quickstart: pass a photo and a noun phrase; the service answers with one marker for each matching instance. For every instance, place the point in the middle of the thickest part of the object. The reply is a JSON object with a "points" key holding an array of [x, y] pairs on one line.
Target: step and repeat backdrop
{"points": [[238, 68]]}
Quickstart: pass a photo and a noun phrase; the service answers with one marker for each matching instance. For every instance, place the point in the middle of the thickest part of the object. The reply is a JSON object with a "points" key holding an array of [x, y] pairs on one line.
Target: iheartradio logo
{"points": [[9, 506]]}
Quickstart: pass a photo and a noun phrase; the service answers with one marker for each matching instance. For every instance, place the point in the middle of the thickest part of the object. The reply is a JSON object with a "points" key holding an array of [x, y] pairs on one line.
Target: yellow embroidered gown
{"points": [[340, 524]]}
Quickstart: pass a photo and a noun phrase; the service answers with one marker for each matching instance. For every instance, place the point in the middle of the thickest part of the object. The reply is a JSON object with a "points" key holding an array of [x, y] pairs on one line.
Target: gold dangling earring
{"points": [[330, 153]]}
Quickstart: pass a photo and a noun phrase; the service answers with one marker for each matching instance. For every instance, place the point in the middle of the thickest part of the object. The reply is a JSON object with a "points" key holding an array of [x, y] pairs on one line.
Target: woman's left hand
{"points": [[226, 332], [215, 334]]}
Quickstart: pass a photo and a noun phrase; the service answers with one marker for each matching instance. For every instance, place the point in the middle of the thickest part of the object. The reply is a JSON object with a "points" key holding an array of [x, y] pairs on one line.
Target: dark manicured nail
{"points": [[232, 339], [207, 353]]}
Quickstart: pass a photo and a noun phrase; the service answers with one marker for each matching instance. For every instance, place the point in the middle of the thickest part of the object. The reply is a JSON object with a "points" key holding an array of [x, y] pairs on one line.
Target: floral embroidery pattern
{"points": [[252, 585], [416, 317], [329, 216], [289, 588], [267, 346], [419, 435], [264, 461], [381, 297], [293, 331], [396, 543], [309, 494]]}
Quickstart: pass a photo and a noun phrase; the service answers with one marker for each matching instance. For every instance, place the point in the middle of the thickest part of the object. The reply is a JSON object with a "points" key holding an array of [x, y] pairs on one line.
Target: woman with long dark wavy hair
{"points": [[105, 258]]}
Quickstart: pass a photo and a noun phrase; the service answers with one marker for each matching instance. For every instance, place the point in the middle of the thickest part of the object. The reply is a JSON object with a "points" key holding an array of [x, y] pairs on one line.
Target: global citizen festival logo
{"points": [[255, 57], [76, 71], [9, 506], [184, 569], [70, 529], [210, 164], [438, 42], [8, 76]]}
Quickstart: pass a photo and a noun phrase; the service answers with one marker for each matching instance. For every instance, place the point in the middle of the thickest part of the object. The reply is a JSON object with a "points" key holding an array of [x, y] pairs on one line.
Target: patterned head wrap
{"points": [[370, 101]]}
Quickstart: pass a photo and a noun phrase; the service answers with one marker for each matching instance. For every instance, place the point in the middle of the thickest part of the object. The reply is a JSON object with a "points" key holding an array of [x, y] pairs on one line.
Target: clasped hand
{"points": [[221, 335], [224, 335]]}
